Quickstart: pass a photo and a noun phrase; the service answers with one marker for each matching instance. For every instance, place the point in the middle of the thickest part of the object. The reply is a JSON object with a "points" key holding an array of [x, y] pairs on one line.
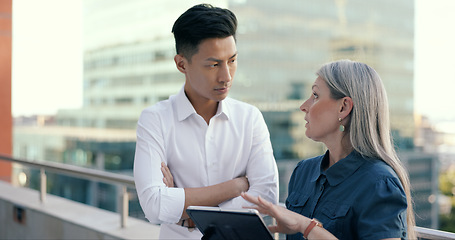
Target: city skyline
{"points": [[128, 67], [61, 84]]}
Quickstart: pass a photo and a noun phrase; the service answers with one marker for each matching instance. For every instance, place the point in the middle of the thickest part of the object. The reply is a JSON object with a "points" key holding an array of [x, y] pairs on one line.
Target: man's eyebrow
{"points": [[212, 59], [314, 86]]}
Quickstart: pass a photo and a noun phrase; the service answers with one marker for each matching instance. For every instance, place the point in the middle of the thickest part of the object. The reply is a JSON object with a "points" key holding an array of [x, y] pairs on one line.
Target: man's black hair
{"points": [[201, 22]]}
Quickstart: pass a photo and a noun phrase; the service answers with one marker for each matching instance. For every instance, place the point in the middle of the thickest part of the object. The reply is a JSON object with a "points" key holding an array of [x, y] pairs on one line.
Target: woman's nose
{"points": [[303, 107]]}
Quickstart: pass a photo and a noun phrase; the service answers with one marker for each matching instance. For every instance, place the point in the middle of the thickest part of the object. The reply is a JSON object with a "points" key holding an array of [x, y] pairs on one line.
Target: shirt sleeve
{"points": [[384, 214], [261, 171], [159, 203]]}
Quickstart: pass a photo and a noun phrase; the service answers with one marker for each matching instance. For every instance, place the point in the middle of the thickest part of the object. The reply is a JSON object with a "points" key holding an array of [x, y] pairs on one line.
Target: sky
{"points": [[42, 85], [434, 93]]}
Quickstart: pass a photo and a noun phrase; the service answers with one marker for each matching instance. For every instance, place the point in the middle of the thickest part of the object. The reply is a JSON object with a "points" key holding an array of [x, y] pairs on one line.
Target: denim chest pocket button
{"points": [[334, 211], [334, 216], [296, 202]]}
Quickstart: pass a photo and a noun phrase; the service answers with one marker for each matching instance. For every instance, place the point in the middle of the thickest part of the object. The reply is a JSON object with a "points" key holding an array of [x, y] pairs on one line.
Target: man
{"points": [[200, 147]]}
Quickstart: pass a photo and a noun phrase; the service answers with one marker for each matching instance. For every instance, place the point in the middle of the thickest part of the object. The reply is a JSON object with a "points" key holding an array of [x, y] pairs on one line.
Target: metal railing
{"points": [[428, 233], [123, 181]]}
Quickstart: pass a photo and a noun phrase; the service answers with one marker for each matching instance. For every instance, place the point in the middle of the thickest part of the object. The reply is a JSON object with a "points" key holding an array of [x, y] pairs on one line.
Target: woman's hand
{"points": [[168, 179], [287, 221]]}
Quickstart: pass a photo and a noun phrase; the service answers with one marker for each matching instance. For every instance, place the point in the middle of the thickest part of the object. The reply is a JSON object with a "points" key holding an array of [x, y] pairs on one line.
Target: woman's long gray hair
{"points": [[369, 126]]}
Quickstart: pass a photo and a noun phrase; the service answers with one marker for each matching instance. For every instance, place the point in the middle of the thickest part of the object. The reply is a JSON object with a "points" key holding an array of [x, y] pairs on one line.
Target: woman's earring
{"points": [[341, 125]]}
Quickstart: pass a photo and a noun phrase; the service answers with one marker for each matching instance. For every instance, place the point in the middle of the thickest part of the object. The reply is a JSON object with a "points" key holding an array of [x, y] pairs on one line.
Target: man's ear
{"points": [[346, 107], [180, 63]]}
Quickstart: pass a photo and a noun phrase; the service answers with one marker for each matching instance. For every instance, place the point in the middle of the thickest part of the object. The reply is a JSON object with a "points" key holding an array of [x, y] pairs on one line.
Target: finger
{"points": [[165, 175], [273, 228], [167, 183], [164, 168], [168, 180], [261, 206], [166, 172], [249, 198], [253, 207], [260, 210], [267, 207], [264, 202]]}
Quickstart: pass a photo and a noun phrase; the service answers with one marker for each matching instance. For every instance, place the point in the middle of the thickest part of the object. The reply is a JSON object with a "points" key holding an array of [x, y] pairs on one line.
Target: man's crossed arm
{"points": [[207, 196]]}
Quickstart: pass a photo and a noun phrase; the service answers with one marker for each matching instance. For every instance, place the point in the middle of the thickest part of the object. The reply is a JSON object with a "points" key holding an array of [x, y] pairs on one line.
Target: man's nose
{"points": [[224, 75]]}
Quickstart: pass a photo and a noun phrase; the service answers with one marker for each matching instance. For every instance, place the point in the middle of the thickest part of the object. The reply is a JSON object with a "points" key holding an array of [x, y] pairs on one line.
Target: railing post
{"points": [[124, 199], [43, 184]]}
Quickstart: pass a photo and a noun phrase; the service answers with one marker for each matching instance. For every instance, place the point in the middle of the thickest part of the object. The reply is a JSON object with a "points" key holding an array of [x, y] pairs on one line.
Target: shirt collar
{"points": [[319, 171], [186, 109], [183, 105], [341, 170], [223, 109]]}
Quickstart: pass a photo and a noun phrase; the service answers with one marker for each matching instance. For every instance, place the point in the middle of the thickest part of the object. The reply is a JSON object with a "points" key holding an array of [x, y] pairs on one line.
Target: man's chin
{"points": [[221, 97]]}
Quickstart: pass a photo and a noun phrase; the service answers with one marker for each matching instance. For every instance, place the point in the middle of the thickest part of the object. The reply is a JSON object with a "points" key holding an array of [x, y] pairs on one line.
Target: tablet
{"points": [[219, 224]]}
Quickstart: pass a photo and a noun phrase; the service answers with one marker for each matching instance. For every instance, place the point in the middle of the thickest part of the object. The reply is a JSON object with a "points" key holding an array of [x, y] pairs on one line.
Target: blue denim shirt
{"points": [[356, 198]]}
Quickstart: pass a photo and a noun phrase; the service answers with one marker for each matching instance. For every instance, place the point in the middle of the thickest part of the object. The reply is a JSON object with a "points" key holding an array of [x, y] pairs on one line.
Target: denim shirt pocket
{"points": [[296, 202], [334, 216]]}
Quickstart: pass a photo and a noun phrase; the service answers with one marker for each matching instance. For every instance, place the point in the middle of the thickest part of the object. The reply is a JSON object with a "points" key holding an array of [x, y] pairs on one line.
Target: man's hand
{"points": [[168, 179], [241, 182]]}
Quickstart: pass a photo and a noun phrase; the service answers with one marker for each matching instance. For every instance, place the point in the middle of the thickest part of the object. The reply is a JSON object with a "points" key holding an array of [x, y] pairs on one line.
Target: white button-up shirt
{"points": [[235, 143]]}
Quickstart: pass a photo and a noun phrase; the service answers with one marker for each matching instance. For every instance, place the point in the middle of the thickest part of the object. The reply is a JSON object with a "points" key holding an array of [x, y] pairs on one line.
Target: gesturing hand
{"points": [[287, 221]]}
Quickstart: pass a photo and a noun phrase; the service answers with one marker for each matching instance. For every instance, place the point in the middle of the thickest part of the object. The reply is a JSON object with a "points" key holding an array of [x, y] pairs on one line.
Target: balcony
{"points": [[32, 214]]}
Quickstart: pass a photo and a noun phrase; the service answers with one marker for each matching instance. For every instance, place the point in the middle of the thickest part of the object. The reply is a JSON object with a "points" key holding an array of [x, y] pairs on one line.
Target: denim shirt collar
{"points": [[341, 170]]}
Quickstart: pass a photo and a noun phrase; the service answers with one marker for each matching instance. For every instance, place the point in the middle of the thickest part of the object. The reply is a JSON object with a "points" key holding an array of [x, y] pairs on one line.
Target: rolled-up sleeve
{"points": [[159, 203]]}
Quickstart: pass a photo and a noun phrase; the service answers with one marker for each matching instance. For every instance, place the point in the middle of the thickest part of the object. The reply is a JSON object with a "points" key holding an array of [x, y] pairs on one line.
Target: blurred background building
{"points": [[128, 65]]}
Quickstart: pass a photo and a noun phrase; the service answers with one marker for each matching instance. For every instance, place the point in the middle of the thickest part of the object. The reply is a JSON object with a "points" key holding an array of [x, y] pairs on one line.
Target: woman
{"points": [[358, 189]]}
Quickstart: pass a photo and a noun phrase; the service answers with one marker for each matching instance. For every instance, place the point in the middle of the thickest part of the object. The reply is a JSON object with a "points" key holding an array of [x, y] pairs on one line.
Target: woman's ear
{"points": [[346, 107], [180, 63]]}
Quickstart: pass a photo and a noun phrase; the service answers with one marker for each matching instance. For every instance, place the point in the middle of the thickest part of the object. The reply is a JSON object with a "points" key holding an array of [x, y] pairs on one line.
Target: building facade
{"points": [[128, 65]]}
